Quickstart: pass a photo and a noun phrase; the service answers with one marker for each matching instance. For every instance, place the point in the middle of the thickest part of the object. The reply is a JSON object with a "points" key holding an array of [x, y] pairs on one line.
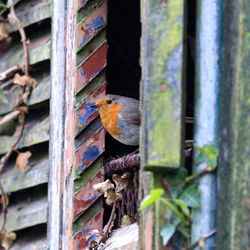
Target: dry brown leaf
{"points": [[121, 182], [24, 80], [7, 238], [4, 29], [103, 186], [22, 160], [126, 220]]}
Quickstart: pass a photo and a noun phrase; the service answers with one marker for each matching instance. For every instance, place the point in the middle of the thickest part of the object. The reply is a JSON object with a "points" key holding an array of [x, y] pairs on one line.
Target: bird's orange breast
{"points": [[110, 119]]}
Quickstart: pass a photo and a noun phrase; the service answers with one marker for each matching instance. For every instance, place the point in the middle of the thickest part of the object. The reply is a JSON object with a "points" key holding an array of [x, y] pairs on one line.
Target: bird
{"points": [[120, 116]]}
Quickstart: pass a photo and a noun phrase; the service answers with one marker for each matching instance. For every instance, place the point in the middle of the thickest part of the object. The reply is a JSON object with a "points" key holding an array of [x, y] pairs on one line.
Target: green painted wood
{"points": [[36, 173], [39, 51], [34, 134], [87, 9], [91, 47], [85, 217], [162, 88], [39, 94], [32, 12], [27, 214], [234, 167], [90, 173], [91, 87]]}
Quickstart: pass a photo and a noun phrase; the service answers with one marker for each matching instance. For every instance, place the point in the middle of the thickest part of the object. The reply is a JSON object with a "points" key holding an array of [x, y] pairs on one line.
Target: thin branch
{"points": [[5, 158], [9, 72], [14, 20], [11, 116], [198, 174], [4, 202], [201, 240]]}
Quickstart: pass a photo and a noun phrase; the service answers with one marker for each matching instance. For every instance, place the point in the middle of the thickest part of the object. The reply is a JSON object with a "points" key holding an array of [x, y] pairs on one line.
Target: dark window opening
{"points": [[123, 71]]}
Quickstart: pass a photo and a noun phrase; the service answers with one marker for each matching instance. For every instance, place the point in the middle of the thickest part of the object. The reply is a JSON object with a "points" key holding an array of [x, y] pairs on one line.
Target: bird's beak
{"points": [[95, 106]]}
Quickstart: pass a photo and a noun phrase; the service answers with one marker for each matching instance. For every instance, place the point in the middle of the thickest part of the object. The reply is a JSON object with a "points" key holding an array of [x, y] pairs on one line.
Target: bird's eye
{"points": [[109, 101]]}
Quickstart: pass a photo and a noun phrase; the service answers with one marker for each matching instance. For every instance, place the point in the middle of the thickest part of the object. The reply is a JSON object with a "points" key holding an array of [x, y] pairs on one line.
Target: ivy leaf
{"points": [[185, 231], [154, 195], [183, 206], [22, 161], [191, 195], [167, 232], [6, 238], [3, 99], [207, 154], [175, 210], [178, 177]]}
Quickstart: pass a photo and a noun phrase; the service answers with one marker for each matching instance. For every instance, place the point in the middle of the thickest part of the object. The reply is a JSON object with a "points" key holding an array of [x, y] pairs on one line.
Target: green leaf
{"points": [[191, 195], [154, 195], [175, 210], [174, 191], [207, 154], [185, 231], [3, 5], [3, 99], [183, 206], [178, 177], [167, 232]]}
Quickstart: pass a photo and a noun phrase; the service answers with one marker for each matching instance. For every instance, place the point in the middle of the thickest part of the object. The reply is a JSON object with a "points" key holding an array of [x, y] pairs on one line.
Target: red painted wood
{"points": [[91, 67], [81, 3], [85, 114], [90, 151], [91, 231], [86, 196], [92, 25]]}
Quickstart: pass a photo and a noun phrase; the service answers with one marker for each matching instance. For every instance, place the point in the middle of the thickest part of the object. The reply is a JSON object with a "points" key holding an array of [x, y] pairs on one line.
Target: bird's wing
{"points": [[130, 111]]}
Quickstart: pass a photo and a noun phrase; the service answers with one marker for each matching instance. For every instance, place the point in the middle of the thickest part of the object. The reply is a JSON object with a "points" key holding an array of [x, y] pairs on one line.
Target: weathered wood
{"points": [[89, 151], [91, 25], [27, 213], [81, 3], [92, 212], [39, 51], [40, 93], [90, 68], [206, 121], [35, 242], [91, 47], [162, 54], [36, 173], [233, 172], [62, 124], [85, 114], [123, 238], [33, 134], [32, 12]]}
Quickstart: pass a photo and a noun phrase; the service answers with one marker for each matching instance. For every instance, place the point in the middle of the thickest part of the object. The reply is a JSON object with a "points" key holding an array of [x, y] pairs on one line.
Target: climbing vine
{"points": [[16, 75]]}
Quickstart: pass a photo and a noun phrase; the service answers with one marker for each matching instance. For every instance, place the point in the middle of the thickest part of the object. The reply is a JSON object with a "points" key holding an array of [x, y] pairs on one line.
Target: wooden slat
{"points": [[93, 65], [37, 133], [81, 3], [92, 25], [85, 114], [86, 196], [89, 151], [32, 12], [89, 232], [27, 214], [162, 56], [34, 175], [31, 242], [39, 51], [40, 93]]}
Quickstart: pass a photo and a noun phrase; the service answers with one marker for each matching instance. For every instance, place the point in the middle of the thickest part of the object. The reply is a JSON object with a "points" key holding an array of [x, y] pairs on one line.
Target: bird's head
{"points": [[107, 104]]}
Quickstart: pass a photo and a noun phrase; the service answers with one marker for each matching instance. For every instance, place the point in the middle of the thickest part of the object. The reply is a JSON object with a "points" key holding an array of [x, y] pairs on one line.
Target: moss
{"points": [[165, 97]]}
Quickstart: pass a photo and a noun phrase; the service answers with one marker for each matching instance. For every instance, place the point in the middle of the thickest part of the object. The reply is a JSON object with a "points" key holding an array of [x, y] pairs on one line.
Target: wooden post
{"points": [[162, 104], [62, 125], [234, 167]]}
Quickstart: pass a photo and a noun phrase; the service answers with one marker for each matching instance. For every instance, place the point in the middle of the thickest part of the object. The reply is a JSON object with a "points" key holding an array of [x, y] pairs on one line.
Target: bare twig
{"points": [[14, 20], [191, 178], [9, 72], [4, 202], [11, 116], [201, 240], [8, 154], [6, 83]]}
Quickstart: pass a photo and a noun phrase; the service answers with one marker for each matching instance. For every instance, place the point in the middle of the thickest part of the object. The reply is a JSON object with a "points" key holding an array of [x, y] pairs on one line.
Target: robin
{"points": [[120, 116]]}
